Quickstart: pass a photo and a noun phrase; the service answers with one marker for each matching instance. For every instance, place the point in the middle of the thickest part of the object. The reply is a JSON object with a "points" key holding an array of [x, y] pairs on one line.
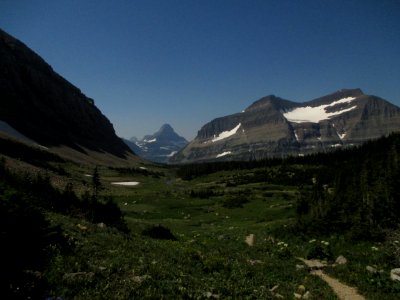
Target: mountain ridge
{"points": [[276, 127], [43, 106]]}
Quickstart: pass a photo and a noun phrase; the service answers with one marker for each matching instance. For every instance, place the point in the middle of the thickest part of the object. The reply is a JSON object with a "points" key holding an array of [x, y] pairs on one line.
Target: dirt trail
{"points": [[343, 291]]}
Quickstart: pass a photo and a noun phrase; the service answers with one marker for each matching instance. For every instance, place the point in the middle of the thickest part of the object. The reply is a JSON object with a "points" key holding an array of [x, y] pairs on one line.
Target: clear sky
{"points": [[186, 62]]}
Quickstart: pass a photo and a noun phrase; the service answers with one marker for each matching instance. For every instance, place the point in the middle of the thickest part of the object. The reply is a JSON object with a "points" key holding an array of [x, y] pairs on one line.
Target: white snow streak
{"points": [[223, 154], [150, 141], [297, 137], [317, 113], [226, 134], [172, 153]]}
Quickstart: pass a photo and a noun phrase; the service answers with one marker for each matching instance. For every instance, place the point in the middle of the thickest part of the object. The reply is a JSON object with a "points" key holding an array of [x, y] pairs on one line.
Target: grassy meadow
{"points": [[199, 250]]}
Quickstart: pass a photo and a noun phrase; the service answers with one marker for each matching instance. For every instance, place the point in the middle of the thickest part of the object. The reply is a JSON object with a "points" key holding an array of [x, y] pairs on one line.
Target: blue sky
{"points": [[186, 62]]}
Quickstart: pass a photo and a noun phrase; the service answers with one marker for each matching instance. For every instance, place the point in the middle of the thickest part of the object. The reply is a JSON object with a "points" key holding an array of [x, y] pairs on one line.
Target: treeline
{"points": [[358, 194], [141, 171], [329, 158], [26, 237]]}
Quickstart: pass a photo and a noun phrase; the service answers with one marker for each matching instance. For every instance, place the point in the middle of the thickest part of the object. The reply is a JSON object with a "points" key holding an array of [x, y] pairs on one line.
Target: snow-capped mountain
{"points": [[158, 147], [275, 127]]}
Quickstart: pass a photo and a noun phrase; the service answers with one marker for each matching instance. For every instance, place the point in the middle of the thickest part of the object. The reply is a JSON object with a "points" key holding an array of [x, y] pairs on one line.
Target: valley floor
{"points": [[209, 238]]}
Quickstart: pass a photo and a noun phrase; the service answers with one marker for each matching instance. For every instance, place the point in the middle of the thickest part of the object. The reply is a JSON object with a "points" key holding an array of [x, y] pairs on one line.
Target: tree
{"points": [[96, 183]]}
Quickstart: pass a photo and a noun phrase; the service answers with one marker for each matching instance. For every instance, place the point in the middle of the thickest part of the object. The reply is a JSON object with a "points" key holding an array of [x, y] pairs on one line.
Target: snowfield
{"points": [[317, 113], [226, 134]]}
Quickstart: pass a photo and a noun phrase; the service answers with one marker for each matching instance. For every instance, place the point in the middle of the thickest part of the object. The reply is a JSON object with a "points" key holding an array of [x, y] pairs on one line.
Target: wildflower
{"points": [[312, 241], [325, 243], [395, 242], [373, 248]]}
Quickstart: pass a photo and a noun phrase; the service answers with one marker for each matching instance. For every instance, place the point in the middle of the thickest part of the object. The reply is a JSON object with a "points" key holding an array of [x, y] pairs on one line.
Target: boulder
{"points": [[250, 240], [341, 260], [395, 274]]}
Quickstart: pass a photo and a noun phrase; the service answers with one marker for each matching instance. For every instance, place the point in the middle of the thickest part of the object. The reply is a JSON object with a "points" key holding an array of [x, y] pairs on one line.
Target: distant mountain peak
{"points": [[160, 146], [165, 129]]}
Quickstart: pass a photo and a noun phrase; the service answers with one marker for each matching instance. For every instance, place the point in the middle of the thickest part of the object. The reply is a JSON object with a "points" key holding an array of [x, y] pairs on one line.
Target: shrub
{"points": [[320, 250], [159, 232]]}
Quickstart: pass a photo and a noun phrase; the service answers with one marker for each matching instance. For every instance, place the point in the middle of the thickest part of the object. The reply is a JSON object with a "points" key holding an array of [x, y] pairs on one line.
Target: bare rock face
{"points": [[43, 106], [275, 127]]}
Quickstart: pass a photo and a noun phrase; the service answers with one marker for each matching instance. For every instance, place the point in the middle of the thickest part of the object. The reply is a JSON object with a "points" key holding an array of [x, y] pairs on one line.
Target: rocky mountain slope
{"points": [[39, 105], [275, 127], [158, 147]]}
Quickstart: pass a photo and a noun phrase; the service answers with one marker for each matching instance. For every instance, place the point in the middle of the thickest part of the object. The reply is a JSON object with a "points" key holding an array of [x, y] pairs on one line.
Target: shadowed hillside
{"points": [[46, 108]]}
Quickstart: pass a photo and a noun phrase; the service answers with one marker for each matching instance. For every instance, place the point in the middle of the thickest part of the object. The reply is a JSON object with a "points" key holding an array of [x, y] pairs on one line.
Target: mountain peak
{"points": [[166, 128], [268, 101], [340, 94], [160, 146]]}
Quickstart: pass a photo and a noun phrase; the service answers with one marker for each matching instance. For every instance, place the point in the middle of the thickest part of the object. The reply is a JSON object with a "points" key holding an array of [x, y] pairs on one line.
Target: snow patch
{"points": [[317, 113], [172, 153], [296, 136], [336, 145], [143, 168], [126, 183], [342, 136], [150, 141], [226, 134], [223, 154]]}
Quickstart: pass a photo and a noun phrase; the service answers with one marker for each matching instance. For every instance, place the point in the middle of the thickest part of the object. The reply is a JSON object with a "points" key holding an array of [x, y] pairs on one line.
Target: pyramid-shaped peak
{"points": [[166, 128]]}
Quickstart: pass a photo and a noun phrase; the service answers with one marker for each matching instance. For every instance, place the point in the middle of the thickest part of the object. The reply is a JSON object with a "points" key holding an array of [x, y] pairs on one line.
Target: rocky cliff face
{"points": [[43, 106], [160, 146], [275, 127]]}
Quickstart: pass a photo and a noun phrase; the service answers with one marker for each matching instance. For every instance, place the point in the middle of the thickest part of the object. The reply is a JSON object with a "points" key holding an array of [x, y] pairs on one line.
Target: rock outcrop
{"points": [[275, 127]]}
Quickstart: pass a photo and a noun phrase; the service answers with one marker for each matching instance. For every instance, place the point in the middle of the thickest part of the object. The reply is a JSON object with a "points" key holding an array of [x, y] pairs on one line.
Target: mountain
{"points": [[275, 127], [158, 147], [39, 105]]}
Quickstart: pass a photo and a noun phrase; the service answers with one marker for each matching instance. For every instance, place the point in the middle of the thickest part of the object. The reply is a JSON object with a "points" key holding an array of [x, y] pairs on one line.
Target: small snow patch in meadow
{"points": [[341, 136], [126, 183], [88, 175], [223, 154], [142, 168], [317, 113], [226, 134]]}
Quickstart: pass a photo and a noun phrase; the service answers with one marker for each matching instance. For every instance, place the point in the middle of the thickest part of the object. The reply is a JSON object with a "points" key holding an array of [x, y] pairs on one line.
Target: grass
{"points": [[210, 217]]}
